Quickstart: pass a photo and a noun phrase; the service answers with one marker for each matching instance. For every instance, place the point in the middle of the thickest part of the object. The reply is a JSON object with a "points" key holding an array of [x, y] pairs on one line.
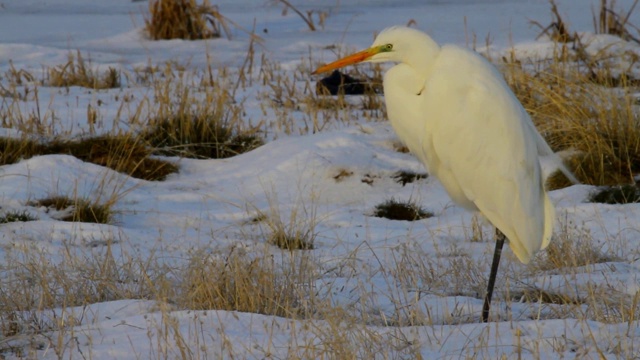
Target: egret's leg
{"points": [[492, 276]]}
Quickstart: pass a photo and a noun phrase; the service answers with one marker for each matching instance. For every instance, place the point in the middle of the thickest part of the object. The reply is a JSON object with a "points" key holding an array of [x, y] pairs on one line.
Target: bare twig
{"points": [[307, 19]]}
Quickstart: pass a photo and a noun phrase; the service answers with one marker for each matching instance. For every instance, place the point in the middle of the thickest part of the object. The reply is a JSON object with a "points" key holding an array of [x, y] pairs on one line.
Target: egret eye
{"points": [[388, 47]]}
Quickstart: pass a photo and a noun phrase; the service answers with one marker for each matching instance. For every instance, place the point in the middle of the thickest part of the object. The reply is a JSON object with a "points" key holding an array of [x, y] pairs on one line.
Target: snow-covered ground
{"points": [[209, 205]]}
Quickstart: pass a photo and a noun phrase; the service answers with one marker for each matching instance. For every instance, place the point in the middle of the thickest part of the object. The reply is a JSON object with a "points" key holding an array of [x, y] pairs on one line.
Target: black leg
{"points": [[492, 277]]}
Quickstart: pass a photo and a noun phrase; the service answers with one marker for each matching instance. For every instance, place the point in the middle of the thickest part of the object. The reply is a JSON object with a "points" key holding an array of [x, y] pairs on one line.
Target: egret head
{"points": [[396, 44]]}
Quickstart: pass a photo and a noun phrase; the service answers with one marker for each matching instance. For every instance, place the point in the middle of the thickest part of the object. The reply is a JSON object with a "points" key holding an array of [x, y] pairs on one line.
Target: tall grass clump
{"points": [[13, 150], [290, 229], [238, 281], [78, 72], [580, 98], [78, 209], [607, 20], [199, 136], [16, 216], [393, 209], [612, 22], [186, 125], [296, 233], [598, 126], [128, 154], [184, 19]]}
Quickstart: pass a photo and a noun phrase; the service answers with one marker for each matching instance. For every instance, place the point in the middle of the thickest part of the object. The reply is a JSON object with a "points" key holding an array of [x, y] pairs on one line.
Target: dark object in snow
{"points": [[338, 82], [405, 177], [396, 210], [619, 194]]}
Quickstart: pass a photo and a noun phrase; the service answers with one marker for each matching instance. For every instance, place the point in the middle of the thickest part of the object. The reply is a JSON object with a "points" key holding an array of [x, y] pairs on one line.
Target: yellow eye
{"points": [[388, 47]]}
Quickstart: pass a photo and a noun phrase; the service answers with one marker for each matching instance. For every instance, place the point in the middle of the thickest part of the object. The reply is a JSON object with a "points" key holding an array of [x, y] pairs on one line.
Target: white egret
{"points": [[455, 112]]}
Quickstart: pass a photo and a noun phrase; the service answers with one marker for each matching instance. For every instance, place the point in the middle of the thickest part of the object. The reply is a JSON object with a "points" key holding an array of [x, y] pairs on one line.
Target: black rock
{"points": [[338, 82]]}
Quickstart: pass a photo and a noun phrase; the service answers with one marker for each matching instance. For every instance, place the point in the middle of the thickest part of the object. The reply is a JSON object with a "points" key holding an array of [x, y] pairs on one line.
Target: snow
{"points": [[208, 206]]}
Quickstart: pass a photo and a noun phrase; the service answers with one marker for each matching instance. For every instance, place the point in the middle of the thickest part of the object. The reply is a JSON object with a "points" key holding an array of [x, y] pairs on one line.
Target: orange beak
{"points": [[349, 60]]}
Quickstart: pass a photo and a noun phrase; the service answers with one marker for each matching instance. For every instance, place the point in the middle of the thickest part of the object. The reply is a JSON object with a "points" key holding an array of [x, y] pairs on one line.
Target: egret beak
{"points": [[349, 60]]}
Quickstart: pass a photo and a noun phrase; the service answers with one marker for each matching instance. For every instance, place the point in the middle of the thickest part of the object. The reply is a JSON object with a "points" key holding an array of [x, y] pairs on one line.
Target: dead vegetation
{"points": [[557, 30], [607, 20], [203, 123], [41, 300], [78, 72], [291, 229], [307, 16], [77, 209], [564, 281], [16, 216], [600, 127], [571, 248], [199, 136], [304, 108], [393, 209], [582, 100], [619, 194], [612, 22], [125, 154], [184, 19], [237, 281], [451, 273], [405, 177], [576, 263]]}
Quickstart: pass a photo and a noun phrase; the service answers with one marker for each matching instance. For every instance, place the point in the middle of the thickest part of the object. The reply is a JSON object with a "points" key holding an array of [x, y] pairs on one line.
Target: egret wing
{"points": [[480, 143]]}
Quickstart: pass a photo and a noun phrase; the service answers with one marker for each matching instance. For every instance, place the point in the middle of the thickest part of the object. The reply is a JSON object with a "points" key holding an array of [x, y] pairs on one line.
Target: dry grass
{"points": [[81, 280], [14, 150], [405, 177], [607, 20], [571, 100], [37, 294], [14, 78], [301, 108], [35, 120], [238, 281], [77, 209], [190, 124], [621, 194], [397, 210], [610, 21], [557, 30], [184, 19], [579, 291], [16, 216], [601, 127], [571, 248], [265, 283], [199, 136], [78, 72], [450, 273], [307, 16], [126, 154], [291, 229], [563, 282], [18, 76]]}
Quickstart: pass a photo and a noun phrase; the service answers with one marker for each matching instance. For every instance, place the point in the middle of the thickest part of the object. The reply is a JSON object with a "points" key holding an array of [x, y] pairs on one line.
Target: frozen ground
{"points": [[208, 204]]}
